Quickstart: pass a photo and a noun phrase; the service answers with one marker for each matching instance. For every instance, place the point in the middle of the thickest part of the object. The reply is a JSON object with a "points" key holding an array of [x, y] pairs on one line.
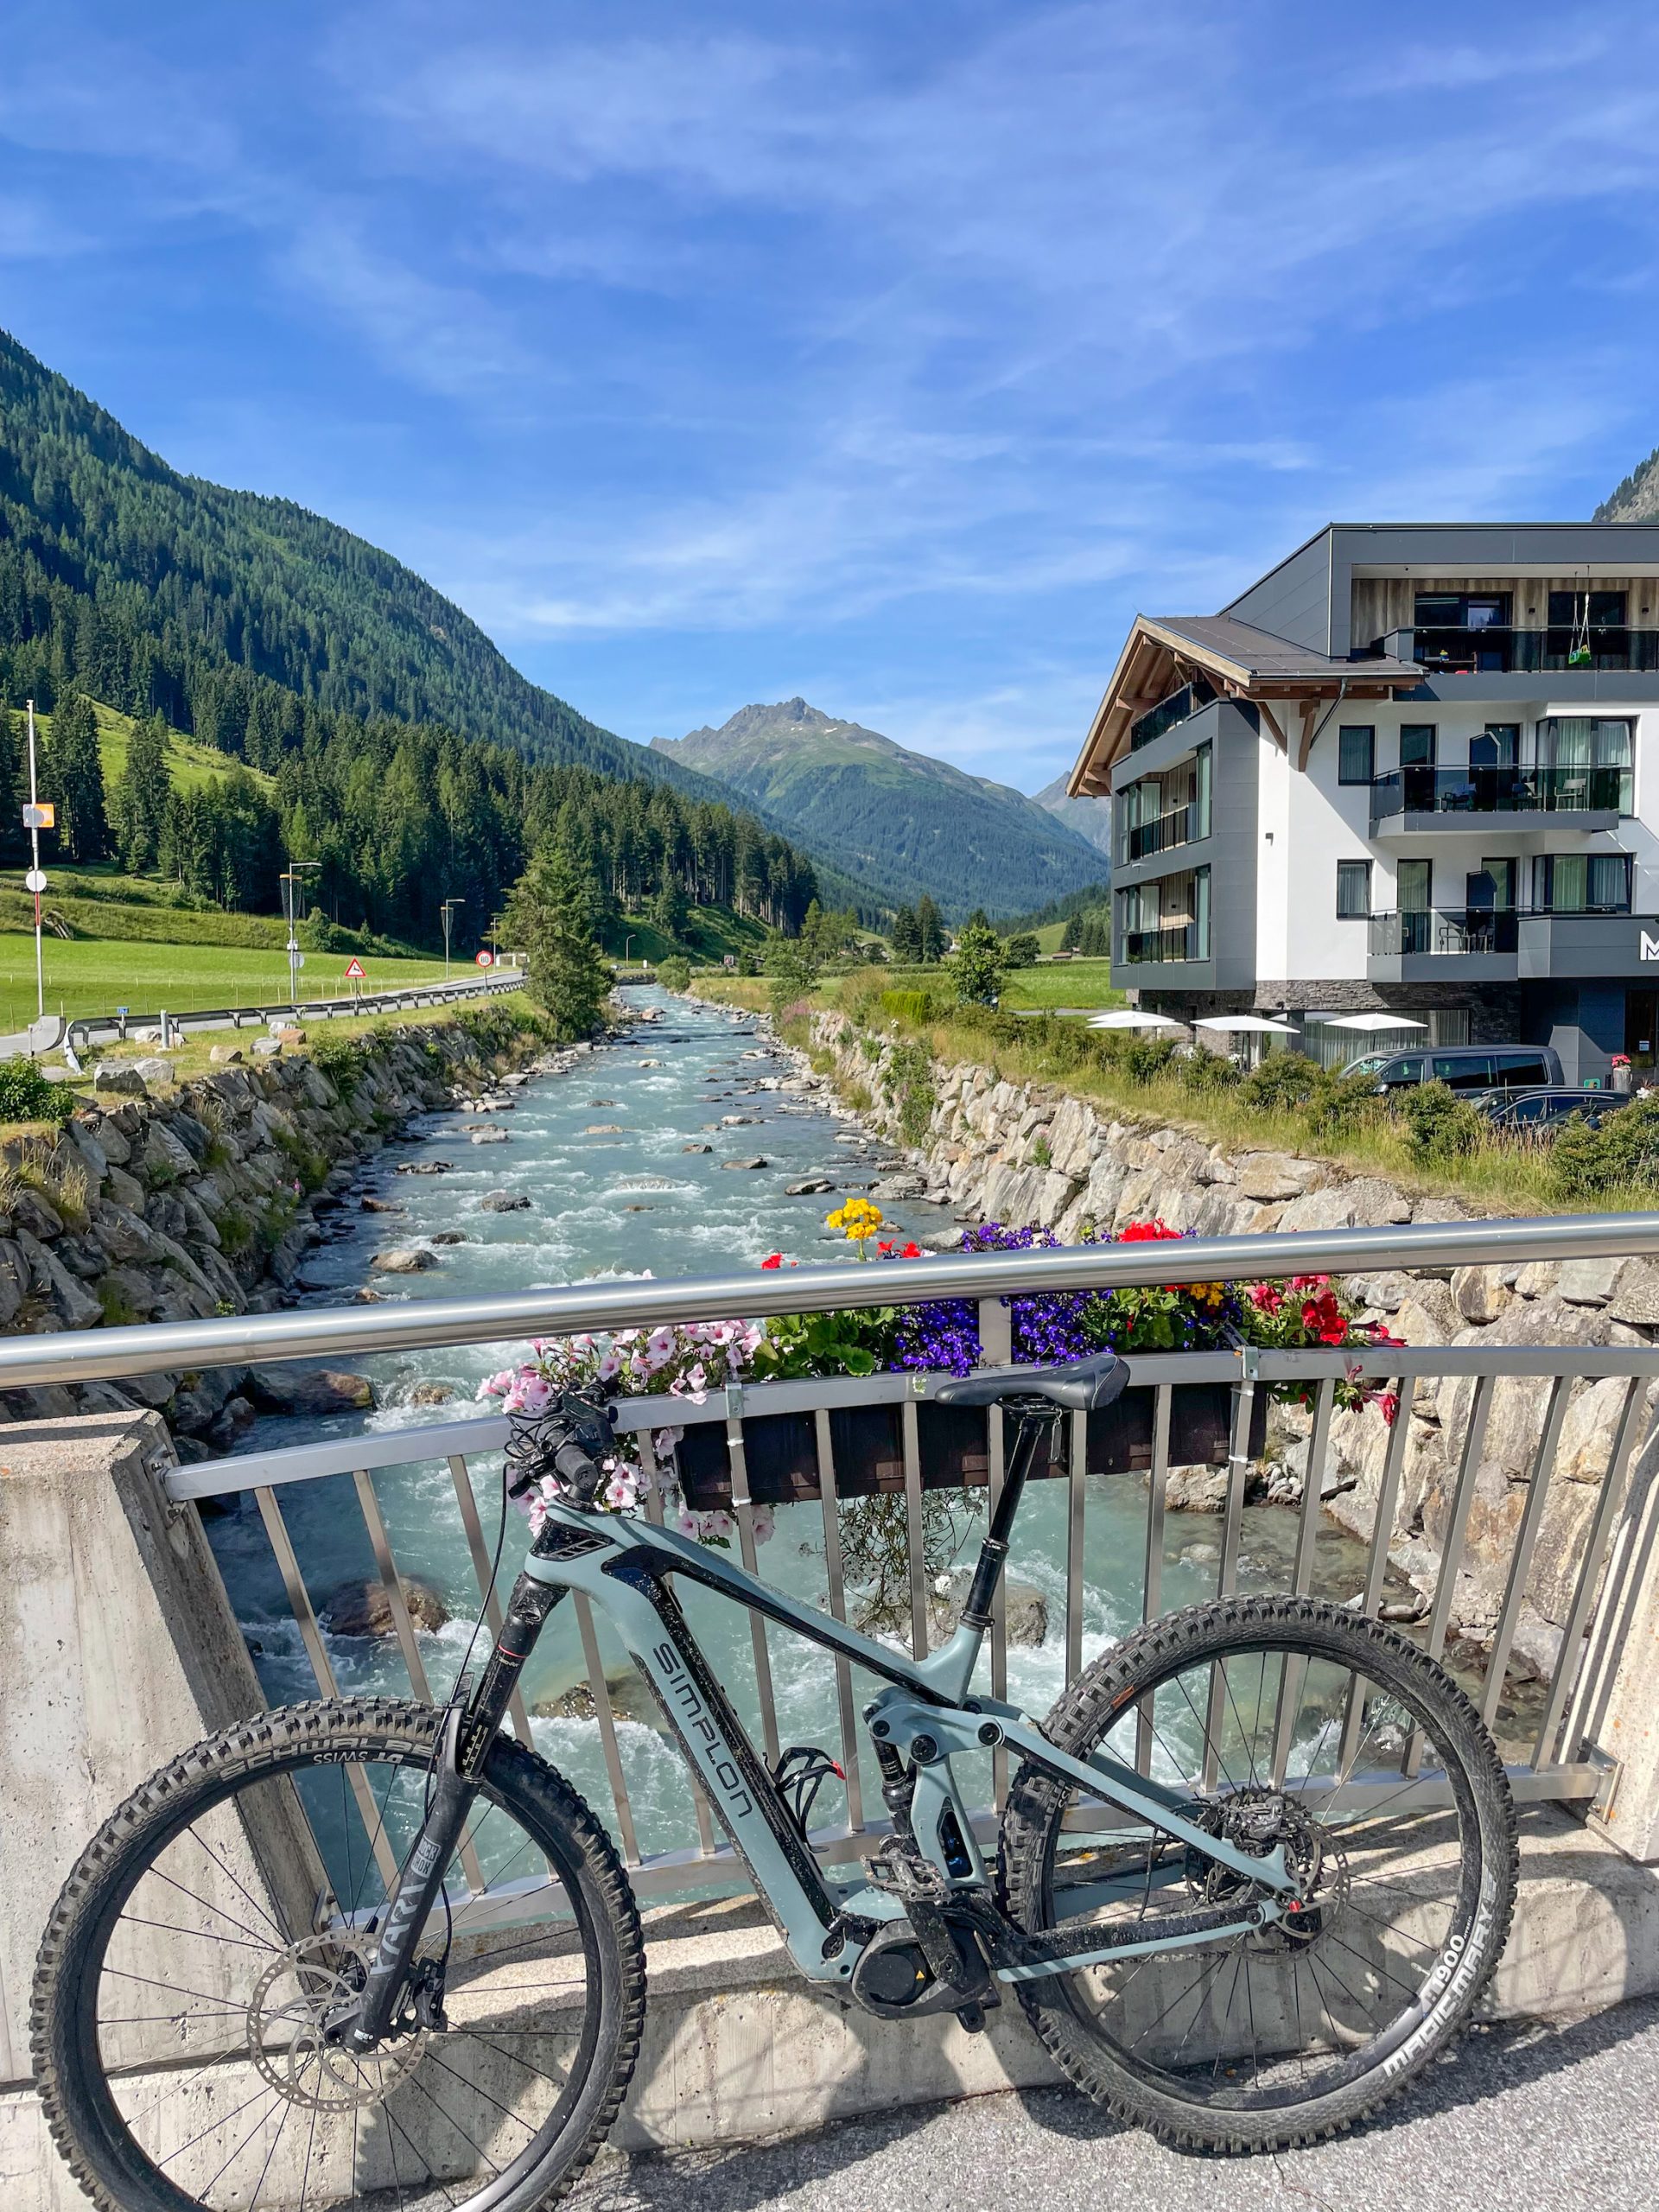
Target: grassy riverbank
{"points": [[1496, 1176]]}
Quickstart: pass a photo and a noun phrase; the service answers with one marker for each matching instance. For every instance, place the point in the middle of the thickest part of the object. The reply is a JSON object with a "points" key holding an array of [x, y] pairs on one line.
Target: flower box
{"points": [[780, 1450]]}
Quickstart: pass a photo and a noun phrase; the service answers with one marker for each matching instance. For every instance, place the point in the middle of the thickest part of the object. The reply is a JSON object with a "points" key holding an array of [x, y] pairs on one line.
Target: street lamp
{"points": [[626, 942], [448, 904], [289, 879]]}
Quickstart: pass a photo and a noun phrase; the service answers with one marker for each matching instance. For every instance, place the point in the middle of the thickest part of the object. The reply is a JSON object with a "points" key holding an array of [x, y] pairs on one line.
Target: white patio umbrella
{"points": [[1370, 1022], [1251, 1024], [1130, 1017]]}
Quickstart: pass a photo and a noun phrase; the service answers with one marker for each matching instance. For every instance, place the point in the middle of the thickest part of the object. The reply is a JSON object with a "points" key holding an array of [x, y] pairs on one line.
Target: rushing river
{"points": [[606, 1155]]}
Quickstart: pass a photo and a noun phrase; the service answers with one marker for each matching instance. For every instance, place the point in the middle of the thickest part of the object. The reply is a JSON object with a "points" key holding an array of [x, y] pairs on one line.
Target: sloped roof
{"points": [[1163, 652]]}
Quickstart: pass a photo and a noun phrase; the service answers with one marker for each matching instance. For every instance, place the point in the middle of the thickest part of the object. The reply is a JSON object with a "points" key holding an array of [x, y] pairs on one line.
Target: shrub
{"points": [[674, 974], [1439, 1124], [1585, 1162], [908, 1006], [909, 1083], [1284, 1080], [1143, 1059], [26, 1096], [1204, 1072]]}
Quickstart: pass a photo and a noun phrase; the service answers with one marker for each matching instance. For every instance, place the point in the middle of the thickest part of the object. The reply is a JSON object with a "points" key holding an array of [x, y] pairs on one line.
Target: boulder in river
{"points": [[697, 1147], [603, 1129], [448, 1236], [814, 1185], [503, 1202], [403, 1260], [379, 1205], [364, 1608], [902, 1186], [283, 1388], [758, 1161], [425, 1167], [491, 1136], [431, 1393]]}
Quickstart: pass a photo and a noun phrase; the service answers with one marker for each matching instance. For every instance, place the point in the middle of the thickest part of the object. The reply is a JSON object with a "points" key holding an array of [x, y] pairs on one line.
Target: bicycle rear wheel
{"points": [[232, 1901], [1283, 1721]]}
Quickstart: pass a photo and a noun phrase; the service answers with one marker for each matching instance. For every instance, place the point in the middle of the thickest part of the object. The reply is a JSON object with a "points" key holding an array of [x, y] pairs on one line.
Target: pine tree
{"points": [[1072, 936], [906, 937], [75, 781], [930, 929], [139, 803], [548, 916], [13, 788]]}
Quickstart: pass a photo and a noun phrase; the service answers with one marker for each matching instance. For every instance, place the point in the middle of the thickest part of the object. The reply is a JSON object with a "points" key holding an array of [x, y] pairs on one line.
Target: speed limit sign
{"points": [[485, 959]]}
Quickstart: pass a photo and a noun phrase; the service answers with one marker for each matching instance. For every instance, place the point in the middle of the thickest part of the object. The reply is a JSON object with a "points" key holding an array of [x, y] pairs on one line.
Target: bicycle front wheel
{"points": [[233, 1903], [1280, 1722]]}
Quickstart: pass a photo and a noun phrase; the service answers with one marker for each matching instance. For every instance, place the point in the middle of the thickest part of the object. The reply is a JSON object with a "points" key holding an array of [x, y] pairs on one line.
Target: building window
{"points": [[1581, 883], [1353, 890], [1416, 745], [1356, 753]]}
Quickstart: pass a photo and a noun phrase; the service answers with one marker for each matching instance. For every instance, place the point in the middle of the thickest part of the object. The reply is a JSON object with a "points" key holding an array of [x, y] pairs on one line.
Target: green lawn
{"points": [[96, 975], [1073, 983]]}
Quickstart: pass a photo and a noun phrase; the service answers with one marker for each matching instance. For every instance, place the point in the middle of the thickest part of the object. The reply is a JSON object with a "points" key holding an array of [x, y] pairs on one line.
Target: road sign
{"points": [[42, 815], [122, 1012], [485, 959], [35, 879], [356, 972]]}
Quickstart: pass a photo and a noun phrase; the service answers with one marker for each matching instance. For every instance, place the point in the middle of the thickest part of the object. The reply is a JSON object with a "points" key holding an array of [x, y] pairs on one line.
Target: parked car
{"points": [[1466, 1067], [1536, 1112]]}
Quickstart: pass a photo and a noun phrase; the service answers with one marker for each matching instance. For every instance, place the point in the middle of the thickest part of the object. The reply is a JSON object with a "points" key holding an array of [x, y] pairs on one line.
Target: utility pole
{"points": [[36, 877], [446, 910], [290, 879]]}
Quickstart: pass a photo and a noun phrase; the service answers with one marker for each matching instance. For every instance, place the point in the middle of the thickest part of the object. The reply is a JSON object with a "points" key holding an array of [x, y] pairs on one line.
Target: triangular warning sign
{"points": [[355, 973]]}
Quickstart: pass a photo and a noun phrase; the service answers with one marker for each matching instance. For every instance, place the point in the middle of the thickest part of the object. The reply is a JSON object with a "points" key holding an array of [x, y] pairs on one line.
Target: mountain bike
{"points": [[1254, 1871]]}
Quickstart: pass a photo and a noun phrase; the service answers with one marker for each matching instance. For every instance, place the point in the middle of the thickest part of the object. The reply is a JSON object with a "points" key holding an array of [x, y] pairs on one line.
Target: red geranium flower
{"points": [[911, 1252], [773, 1260], [1145, 1232]]}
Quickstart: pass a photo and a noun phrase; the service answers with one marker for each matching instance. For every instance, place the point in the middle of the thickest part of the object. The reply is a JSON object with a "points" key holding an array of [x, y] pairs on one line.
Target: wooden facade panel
{"points": [[1385, 603]]}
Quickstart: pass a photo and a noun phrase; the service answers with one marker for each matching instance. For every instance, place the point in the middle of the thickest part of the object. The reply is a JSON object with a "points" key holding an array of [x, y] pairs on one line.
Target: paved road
{"points": [[1515, 2118]]}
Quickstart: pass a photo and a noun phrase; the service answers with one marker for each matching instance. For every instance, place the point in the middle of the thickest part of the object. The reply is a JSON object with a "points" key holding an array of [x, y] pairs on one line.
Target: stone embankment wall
{"points": [[1019, 1153], [202, 1200]]}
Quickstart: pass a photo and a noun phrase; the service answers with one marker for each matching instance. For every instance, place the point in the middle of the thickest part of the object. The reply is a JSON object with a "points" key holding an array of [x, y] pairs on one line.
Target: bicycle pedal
{"points": [[972, 2018], [908, 1877]]}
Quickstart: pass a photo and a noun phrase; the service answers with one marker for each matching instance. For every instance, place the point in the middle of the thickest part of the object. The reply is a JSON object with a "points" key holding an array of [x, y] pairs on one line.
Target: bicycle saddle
{"points": [[1081, 1385]]}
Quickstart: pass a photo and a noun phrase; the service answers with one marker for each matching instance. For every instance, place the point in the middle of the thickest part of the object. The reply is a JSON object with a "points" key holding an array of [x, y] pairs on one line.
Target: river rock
{"points": [[756, 1162], [739, 1121], [403, 1260], [902, 1186], [425, 1167], [603, 1129], [379, 1205], [697, 1147], [448, 1237], [503, 1202], [431, 1393], [286, 1388], [491, 1136], [1025, 1611], [226, 1055], [364, 1608], [813, 1187]]}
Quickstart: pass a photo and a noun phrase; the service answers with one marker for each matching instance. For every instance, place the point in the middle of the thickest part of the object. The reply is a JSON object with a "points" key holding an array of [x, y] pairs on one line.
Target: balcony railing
{"points": [[788, 1444], [1175, 941], [1454, 650], [1178, 708], [1182, 825], [1482, 790], [1453, 930]]}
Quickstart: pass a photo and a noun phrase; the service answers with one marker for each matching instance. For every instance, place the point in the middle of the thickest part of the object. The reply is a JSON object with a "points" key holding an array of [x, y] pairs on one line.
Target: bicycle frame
{"points": [[927, 1715], [920, 1722]]}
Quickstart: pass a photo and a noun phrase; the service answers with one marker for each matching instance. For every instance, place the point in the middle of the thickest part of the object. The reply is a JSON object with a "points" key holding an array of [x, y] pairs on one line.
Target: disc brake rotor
{"points": [[293, 1998]]}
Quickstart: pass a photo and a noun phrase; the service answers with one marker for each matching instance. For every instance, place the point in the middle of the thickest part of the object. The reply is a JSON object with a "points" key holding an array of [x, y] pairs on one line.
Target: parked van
{"points": [[1466, 1067]]}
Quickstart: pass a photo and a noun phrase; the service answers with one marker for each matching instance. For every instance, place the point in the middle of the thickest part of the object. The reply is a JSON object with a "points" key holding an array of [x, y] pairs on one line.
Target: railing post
{"points": [[1619, 1706]]}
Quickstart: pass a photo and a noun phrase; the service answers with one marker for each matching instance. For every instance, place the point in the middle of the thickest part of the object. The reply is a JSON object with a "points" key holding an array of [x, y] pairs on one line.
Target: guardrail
{"points": [[86, 1030], [1556, 1763]]}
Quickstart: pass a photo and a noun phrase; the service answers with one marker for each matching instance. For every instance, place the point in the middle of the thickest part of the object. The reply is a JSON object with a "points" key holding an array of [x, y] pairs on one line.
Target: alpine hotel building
{"points": [[1413, 770]]}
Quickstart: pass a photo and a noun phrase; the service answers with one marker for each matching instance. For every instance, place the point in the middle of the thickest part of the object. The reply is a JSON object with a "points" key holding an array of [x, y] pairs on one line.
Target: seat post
{"points": [[994, 1551]]}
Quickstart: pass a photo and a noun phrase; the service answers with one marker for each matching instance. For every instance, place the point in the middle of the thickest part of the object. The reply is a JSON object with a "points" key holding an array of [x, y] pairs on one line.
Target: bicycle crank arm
{"points": [[1060, 1955]]}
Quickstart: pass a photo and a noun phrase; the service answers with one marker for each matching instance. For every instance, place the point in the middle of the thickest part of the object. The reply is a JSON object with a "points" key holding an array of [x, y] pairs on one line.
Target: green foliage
{"points": [[909, 1006], [674, 974], [827, 1344], [26, 1096], [1440, 1125], [1023, 950], [1282, 1081], [929, 931], [792, 966], [139, 802], [1204, 1072], [1071, 935], [909, 1085], [549, 916], [1143, 1058], [72, 775], [906, 935], [976, 963], [1586, 1162]]}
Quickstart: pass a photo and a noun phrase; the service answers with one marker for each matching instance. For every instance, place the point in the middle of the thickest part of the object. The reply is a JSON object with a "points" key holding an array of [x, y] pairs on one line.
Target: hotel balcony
{"points": [[1475, 945], [1412, 800], [1448, 650]]}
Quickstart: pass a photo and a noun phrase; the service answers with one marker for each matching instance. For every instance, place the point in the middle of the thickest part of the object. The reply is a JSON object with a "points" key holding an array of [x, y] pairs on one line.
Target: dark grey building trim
{"points": [[1230, 851]]}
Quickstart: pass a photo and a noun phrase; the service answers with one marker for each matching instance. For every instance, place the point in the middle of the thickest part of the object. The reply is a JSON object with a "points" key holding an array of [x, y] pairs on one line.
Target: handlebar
{"points": [[568, 1442]]}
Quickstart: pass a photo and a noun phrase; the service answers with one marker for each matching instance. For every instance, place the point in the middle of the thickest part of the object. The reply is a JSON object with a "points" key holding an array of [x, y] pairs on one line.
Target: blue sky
{"points": [[893, 355]]}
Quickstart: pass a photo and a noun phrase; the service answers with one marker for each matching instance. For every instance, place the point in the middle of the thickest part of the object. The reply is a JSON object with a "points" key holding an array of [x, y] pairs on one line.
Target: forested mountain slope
{"points": [[904, 823], [1636, 499], [1091, 818]]}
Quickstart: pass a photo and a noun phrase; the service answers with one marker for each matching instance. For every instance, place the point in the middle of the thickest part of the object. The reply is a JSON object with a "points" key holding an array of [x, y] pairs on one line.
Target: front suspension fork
{"points": [[463, 1748]]}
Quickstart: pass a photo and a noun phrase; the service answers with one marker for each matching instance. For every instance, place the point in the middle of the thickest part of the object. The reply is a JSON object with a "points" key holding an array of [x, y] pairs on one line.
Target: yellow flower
{"points": [[858, 1221]]}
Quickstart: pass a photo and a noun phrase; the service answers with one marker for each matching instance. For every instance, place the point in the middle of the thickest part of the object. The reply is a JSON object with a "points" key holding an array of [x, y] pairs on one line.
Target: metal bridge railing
{"points": [[362, 1472]]}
